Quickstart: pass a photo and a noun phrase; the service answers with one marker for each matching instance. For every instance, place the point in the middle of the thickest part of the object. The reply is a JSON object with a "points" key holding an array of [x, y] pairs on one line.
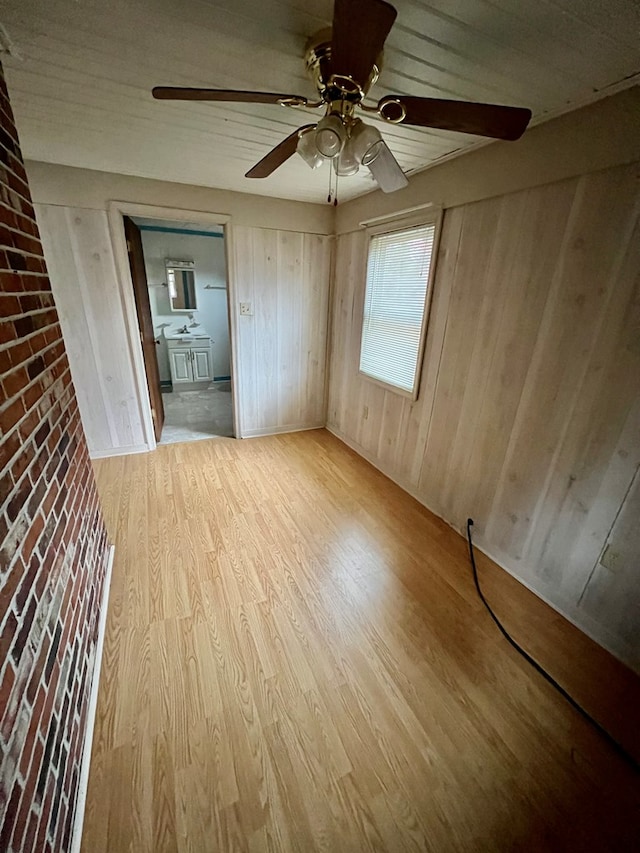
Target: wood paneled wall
{"points": [[79, 252], [528, 417], [281, 345], [280, 348]]}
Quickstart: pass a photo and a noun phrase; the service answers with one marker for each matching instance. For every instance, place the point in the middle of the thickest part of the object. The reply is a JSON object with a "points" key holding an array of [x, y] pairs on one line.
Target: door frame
{"points": [[116, 210]]}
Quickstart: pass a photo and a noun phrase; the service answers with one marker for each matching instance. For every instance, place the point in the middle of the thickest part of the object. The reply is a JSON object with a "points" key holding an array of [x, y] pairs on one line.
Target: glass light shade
{"points": [[346, 162], [366, 142], [330, 136], [387, 172], [307, 149]]}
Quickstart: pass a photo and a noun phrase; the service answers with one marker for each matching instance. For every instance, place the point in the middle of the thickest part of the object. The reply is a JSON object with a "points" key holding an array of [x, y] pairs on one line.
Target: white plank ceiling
{"points": [[81, 89]]}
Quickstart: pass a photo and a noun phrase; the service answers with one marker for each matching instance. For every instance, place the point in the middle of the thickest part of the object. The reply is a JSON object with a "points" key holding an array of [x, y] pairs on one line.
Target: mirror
{"points": [[181, 282]]}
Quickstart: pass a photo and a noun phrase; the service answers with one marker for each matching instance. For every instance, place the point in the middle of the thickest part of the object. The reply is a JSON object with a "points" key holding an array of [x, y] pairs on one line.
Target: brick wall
{"points": [[53, 547]]}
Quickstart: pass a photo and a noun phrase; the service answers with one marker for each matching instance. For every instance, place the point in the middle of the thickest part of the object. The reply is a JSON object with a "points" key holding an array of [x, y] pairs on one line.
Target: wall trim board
{"points": [[190, 232], [115, 212], [260, 433], [83, 782], [333, 251], [586, 625], [120, 451], [234, 331]]}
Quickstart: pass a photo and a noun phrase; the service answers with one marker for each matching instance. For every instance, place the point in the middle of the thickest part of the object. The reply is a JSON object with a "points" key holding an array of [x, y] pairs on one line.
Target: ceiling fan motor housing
{"points": [[331, 86]]}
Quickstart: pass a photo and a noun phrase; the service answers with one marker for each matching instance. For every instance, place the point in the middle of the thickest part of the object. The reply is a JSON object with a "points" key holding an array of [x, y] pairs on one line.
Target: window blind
{"points": [[395, 299]]}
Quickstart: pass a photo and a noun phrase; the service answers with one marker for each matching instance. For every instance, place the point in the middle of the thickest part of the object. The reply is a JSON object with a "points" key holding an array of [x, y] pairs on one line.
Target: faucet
{"points": [[183, 330]]}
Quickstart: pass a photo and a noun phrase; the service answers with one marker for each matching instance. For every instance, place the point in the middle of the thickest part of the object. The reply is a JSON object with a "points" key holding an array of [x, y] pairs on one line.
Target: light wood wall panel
{"points": [[282, 345], [528, 417], [613, 589], [79, 254]]}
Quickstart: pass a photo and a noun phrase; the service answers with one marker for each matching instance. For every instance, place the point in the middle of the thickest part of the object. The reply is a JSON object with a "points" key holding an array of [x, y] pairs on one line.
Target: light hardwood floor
{"points": [[296, 659]]}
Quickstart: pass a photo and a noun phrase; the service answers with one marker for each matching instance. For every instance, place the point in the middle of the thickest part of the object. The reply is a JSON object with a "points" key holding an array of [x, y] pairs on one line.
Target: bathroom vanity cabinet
{"points": [[190, 359]]}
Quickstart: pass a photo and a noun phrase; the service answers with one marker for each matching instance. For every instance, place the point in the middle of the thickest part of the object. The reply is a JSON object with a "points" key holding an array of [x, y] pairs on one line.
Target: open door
{"points": [[145, 323]]}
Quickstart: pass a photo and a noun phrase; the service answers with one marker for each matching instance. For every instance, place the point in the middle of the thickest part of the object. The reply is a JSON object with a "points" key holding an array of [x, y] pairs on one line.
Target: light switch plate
{"points": [[245, 308]]}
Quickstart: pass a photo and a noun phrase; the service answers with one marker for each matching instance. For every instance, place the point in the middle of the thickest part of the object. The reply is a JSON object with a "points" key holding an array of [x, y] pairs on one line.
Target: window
{"points": [[399, 273]]}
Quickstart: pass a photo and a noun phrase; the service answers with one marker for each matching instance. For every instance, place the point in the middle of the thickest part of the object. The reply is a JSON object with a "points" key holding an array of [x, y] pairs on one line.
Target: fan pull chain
{"points": [[329, 197]]}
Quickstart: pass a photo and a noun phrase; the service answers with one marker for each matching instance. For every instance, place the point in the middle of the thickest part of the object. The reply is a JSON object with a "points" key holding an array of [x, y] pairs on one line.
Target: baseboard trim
{"points": [[258, 433], [81, 796], [119, 451], [581, 621]]}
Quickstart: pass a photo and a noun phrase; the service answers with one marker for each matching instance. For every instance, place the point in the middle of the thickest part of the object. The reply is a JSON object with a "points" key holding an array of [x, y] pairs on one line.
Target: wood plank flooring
{"points": [[296, 660]]}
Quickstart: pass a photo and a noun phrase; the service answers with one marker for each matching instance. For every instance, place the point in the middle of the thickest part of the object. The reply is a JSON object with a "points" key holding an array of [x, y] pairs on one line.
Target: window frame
{"points": [[432, 216]]}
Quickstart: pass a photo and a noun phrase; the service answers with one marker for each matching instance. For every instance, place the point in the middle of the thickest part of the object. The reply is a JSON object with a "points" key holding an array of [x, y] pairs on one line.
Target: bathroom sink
{"points": [[188, 336]]}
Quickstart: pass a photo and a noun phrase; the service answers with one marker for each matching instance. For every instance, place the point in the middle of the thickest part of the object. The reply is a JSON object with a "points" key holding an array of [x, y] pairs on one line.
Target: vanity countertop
{"points": [[188, 337]]}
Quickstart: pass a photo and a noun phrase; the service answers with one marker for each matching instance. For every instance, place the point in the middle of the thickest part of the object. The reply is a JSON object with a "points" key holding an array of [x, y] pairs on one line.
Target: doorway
{"points": [[180, 284]]}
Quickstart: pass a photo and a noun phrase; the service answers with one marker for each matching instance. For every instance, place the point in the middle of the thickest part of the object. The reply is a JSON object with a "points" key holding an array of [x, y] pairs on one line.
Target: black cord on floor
{"points": [[534, 663]]}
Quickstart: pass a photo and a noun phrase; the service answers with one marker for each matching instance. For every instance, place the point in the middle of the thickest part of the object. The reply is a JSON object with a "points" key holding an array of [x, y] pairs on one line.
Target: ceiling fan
{"points": [[344, 62]]}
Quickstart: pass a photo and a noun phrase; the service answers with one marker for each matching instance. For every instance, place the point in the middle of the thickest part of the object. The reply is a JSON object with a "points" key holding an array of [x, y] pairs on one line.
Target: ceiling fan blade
{"points": [[482, 119], [277, 156], [360, 29], [387, 172], [178, 93]]}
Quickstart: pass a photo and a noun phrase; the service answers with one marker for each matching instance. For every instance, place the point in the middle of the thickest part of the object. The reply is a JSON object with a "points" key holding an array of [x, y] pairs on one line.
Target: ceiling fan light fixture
{"points": [[387, 172], [330, 136], [346, 163], [366, 142], [307, 148]]}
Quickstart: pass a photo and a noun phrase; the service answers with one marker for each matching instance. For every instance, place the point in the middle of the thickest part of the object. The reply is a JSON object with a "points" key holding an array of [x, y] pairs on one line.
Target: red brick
{"points": [[9, 446], [10, 816], [23, 812], [19, 496], [30, 837], [5, 361], [48, 502], [32, 395], [22, 461], [19, 353], [36, 687], [9, 304], [14, 383], [46, 811], [13, 706], [9, 587], [12, 283], [6, 638], [10, 416], [50, 498], [31, 538], [8, 680]]}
